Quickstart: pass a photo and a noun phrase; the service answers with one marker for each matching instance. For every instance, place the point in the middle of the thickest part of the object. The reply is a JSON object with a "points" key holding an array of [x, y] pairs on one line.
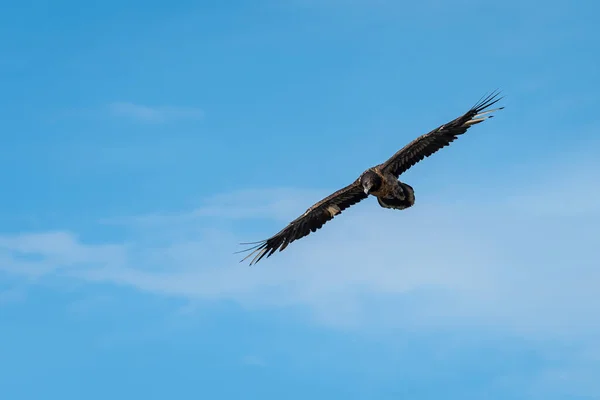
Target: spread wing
{"points": [[314, 218], [429, 143]]}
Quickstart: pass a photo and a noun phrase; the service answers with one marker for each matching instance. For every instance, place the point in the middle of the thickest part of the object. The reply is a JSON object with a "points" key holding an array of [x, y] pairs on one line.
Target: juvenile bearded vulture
{"points": [[380, 181]]}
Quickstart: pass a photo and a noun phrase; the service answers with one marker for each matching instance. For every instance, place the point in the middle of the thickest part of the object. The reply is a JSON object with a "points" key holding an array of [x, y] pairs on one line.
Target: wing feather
{"points": [[312, 220], [429, 143]]}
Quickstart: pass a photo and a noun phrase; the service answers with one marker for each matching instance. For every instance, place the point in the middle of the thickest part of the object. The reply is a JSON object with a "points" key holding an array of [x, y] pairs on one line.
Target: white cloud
{"points": [[494, 262], [273, 203], [37, 254], [155, 114]]}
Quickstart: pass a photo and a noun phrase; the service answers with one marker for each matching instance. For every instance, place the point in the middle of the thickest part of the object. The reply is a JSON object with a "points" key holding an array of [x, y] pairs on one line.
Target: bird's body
{"points": [[389, 190], [381, 181]]}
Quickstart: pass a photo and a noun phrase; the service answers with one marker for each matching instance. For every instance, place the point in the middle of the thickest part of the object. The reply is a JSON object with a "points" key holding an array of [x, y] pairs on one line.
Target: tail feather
{"points": [[399, 204]]}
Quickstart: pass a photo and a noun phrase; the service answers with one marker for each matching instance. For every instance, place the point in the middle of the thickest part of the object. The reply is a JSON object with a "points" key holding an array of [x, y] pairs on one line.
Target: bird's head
{"points": [[370, 182]]}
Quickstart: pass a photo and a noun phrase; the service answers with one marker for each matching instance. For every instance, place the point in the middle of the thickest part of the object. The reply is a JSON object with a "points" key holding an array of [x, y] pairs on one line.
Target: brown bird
{"points": [[380, 181]]}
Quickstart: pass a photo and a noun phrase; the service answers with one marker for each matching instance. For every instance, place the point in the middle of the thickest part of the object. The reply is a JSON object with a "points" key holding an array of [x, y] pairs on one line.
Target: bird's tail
{"points": [[399, 204]]}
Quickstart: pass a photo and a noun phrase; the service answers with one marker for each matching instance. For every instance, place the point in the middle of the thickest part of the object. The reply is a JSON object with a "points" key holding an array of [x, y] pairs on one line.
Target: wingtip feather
{"points": [[487, 100]]}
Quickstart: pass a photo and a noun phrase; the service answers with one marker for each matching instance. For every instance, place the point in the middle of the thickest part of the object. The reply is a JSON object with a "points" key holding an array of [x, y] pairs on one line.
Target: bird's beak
{"points": [[366, 190]]}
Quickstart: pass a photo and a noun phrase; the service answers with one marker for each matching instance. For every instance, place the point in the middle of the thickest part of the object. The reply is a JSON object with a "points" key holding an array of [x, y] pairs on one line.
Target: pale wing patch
{"points": [[333, 209]]}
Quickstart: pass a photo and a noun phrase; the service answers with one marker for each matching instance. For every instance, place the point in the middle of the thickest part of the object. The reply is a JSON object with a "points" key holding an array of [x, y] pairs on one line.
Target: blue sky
{"points": [[144, 140]]}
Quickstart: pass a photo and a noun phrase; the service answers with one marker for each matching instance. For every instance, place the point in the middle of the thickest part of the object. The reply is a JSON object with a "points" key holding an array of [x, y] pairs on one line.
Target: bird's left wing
{"points": [[314, 218], [427, 144]]}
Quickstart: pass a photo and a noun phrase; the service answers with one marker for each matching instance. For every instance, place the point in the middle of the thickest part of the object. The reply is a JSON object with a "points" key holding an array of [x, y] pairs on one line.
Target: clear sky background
{"points": [[143, 140]]}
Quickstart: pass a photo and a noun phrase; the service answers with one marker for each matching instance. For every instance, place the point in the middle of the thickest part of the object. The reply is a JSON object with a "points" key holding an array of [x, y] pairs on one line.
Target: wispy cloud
{"points": [[493, 262], [512, 261], [38, 254], [154, 114], [274, 203]]}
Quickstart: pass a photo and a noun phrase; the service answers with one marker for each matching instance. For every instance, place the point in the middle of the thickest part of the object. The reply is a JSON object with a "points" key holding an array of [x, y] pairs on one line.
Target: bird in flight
{"points": [[380, 181]]}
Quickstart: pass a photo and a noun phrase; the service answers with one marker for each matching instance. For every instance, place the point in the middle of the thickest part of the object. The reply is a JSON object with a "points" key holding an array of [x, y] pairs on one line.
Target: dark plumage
{"points": [[380, 181]]}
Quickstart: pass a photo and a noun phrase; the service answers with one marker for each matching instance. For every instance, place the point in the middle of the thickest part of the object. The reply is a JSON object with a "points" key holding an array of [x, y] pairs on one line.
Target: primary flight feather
{"points": [[380, 181]]}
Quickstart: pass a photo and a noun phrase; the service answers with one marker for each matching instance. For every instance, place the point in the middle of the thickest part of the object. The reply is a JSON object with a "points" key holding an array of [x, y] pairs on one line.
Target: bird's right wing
{"points": [[314, 218]]}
